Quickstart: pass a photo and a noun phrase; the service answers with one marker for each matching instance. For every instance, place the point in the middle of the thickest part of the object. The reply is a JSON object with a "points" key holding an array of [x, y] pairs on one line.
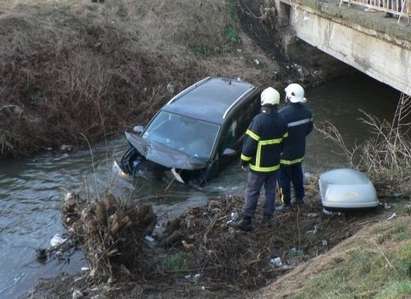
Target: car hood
{"points": [[164, 155]]}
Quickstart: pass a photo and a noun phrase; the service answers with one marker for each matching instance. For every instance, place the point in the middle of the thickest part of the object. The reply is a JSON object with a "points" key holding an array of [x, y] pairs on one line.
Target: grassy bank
{"points": [[73, 70], [375, 263]]}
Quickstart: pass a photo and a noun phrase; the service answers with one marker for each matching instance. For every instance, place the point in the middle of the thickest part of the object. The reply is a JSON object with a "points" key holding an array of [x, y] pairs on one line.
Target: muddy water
{"points": [[31, 190]]}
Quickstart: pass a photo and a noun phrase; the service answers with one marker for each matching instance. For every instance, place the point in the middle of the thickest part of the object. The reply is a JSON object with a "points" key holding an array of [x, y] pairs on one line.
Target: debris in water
{"points": [[392, 216], [257, 62], [312, 215], [85, 269], [77, 294], [41, 255], [57, 240]]}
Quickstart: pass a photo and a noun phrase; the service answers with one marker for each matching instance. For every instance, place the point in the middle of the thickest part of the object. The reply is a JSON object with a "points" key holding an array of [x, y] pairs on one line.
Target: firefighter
{"points": [[299, 124], [261, 154]]}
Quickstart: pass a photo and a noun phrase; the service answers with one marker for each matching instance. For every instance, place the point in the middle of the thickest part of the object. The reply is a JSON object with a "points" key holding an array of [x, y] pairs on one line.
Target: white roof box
{"points": [[347, 189]]}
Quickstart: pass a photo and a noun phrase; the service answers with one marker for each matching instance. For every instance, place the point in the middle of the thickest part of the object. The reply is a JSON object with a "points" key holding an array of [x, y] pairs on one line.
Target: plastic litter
{"points": [[149, 238], [85, 269], [234, 216], [392, 216], [77, 294], [331, 213], [313, 231], [276, 262], [57, 240], [324, 243]]}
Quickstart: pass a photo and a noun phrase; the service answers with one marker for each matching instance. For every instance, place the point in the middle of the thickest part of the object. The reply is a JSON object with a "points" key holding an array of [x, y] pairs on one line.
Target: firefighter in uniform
{"points": [[261, 153], [299, 124]]}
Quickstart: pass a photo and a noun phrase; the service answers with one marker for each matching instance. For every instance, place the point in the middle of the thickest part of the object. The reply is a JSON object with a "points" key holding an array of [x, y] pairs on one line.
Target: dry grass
{"points": [[82, 68]]}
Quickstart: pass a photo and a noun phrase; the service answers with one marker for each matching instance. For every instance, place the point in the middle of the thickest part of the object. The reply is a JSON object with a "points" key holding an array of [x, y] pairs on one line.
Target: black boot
{"points": [[244, 224], [267, 221]]}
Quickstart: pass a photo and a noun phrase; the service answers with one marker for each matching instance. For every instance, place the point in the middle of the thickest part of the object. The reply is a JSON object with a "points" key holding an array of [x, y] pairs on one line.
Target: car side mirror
{"points": [[229, 152], [138, 130]]}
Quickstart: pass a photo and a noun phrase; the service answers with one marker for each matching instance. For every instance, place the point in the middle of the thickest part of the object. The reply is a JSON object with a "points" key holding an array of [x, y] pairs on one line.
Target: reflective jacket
{"points": [[263, 142], [299, 123]]}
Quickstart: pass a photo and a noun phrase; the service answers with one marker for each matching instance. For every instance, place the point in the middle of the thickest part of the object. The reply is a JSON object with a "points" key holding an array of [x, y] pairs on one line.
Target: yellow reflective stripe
{"points": [[245, 158], [291, 162], [270, 141], [252, 135], [258, 157], [285, 135], [264, 169]]}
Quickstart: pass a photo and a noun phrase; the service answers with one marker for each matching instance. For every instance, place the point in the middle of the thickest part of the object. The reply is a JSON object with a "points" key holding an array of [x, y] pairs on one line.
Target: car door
{"points": [[234, 129]]}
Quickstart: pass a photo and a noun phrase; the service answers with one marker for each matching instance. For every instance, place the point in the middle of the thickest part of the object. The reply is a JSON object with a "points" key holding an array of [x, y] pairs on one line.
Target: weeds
{"points": [[386, 155], [369, 270]]}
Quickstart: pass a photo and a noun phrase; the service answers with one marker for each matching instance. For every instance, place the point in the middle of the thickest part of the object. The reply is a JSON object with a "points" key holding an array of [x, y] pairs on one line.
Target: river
{"points": [[31, 190]]}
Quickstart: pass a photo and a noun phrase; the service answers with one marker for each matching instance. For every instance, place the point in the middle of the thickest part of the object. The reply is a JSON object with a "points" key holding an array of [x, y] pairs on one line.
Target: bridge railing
{"points": [[399, 8]]}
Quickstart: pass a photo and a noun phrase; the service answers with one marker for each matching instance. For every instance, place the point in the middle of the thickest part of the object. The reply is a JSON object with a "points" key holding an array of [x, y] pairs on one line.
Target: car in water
{"points": [[196, 134]]}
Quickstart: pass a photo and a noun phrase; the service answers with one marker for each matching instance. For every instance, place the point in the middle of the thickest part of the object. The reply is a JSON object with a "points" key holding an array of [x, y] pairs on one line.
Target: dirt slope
{"points": [[75, 69]]}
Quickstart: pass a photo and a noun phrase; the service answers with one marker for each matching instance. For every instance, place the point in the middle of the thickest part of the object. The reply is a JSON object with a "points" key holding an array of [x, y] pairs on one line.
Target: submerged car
{"points": [[346, 188], [197, 133]]}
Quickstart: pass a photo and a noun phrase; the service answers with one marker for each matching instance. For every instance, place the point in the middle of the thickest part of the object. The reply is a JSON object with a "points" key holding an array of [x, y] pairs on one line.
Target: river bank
{"points": [[200, 255], [78, 72]]}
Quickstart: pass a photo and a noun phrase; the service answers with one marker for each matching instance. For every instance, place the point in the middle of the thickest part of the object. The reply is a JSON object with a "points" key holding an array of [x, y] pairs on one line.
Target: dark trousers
{"points": [[292, 174], [255, 182]]}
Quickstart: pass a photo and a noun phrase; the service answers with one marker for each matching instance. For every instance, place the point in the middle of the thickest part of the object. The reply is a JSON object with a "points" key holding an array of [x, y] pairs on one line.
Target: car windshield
{"points": [[190, 136]]}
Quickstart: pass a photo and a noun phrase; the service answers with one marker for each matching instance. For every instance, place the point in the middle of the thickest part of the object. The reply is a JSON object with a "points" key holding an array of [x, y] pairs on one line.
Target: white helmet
{"points": [[270, 96], [295, 93]]}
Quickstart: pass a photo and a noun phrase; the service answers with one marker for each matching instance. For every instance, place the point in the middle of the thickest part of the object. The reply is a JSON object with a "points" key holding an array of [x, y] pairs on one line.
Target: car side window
{"points": [[238, 124]]}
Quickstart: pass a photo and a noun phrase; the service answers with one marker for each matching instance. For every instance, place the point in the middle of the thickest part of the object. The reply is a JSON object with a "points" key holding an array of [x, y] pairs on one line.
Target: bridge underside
{"points": [[385, 57]]}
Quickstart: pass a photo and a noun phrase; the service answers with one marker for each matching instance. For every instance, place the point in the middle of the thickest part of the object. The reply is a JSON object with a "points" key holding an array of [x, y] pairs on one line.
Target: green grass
{"points": [[369, 270], [231, 30], [177, 262]]}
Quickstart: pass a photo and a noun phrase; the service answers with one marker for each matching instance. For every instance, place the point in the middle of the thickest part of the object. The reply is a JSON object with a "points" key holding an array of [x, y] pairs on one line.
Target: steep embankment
{"points": [[73, 70], [374, 263]]}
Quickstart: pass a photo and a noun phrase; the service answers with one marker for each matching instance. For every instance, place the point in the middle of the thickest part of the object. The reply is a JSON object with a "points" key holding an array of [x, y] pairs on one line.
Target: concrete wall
{"points": [[380, 56]]}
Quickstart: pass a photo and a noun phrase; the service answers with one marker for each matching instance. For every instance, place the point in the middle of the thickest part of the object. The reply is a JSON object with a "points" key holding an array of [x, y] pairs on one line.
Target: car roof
{"points": [[209, 99]]}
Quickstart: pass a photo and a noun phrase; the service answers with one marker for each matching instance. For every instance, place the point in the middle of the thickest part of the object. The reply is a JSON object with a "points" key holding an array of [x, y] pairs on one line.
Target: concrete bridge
{"points": [[377, 46]]}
